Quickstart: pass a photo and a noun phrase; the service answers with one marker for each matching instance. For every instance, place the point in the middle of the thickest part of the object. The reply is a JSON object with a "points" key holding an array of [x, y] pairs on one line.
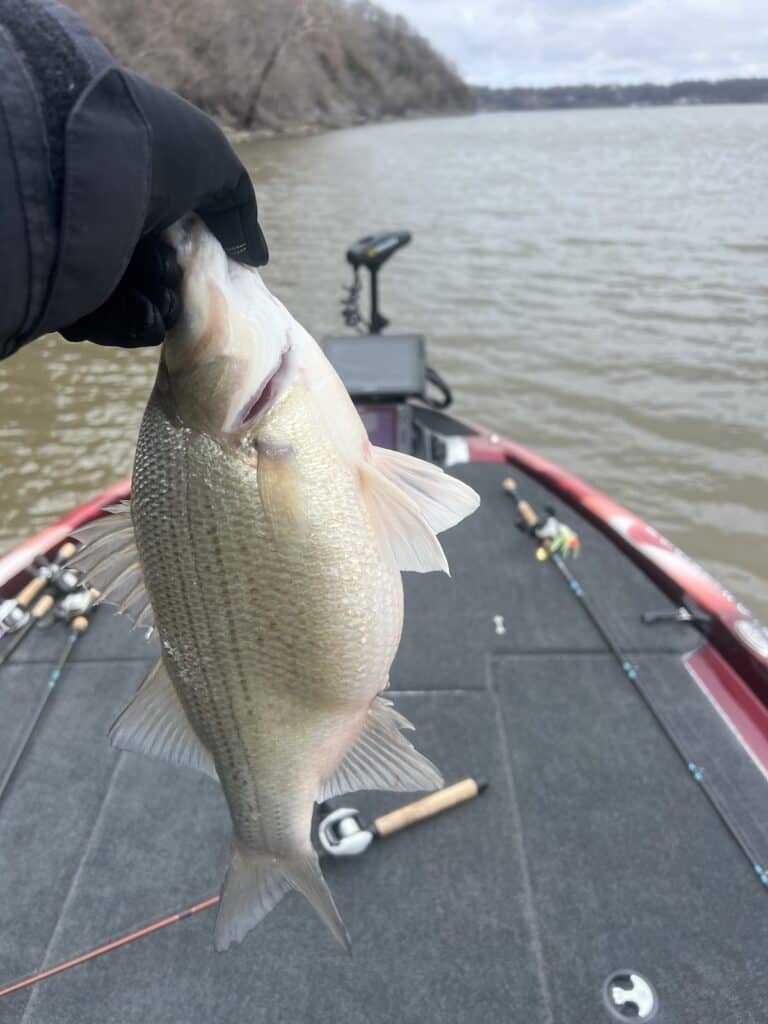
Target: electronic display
{"points": [[380, 366]]}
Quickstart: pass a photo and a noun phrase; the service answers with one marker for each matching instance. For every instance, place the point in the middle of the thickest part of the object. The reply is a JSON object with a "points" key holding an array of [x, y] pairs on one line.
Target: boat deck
{"points": [[593, 849]]}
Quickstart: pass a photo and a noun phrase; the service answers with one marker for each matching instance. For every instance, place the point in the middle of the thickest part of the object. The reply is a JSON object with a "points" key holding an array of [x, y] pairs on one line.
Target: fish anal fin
{"points": [[442, 499], [256, 882], [155, 724], [406, 541], [382, 759]]}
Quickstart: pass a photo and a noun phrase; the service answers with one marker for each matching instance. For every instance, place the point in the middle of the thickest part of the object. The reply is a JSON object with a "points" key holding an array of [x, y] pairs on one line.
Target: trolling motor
{"points": [[370, 252], [382, 373]]}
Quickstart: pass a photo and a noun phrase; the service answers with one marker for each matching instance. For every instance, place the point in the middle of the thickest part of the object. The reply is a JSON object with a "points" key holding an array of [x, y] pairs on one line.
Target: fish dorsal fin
{"points": [[382, 758], [155, 724], [406, 541], [442, 499], [109, 561]]}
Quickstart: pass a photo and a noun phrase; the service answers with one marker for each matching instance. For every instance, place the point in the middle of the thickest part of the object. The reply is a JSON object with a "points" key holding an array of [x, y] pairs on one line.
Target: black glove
{"points": [[143, 307], [193, 167]]}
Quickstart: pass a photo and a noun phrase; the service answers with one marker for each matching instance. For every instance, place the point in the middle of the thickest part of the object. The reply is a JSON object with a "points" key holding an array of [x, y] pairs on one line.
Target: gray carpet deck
{"points": [[592, 850]]}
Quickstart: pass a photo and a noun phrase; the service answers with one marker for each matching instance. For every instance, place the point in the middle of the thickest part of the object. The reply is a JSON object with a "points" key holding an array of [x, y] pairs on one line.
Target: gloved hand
{"points": [[143, 307], [193, 167]]}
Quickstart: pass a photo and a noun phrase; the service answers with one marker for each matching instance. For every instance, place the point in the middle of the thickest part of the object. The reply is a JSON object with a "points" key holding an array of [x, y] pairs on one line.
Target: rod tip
{"points": [[482, 785]]}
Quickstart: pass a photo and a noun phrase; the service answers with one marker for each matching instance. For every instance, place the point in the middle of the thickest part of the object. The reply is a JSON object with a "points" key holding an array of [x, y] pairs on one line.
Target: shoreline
{"points": [[299, 130], [238, 136]]}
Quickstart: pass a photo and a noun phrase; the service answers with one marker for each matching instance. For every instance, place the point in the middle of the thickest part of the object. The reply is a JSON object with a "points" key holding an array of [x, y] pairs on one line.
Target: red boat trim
{"points": [[14, 564], [740, 638], [741, 711]]}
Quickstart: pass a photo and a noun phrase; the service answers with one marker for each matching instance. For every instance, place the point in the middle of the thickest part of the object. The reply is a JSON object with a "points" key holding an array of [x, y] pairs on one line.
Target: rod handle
{"points": [[42, 607], [442, 800], [65, 552], [527, 514], [79, 624], [30, 591]]}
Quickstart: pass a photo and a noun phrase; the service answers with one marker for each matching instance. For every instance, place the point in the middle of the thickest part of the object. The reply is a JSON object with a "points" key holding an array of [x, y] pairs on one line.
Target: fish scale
{"points": [[233, 662]]}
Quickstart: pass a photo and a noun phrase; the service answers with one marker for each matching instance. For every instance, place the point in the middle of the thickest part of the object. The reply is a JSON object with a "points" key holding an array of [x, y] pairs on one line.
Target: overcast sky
{"points": [[563, 42]]}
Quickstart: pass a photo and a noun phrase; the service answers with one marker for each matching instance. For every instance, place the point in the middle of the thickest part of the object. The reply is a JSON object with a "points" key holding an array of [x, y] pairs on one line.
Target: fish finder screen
{"points": [[387, 366]]}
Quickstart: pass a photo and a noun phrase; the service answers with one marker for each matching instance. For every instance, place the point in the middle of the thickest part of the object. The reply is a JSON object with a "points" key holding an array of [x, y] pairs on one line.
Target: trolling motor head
{"points": [[370, 252]]}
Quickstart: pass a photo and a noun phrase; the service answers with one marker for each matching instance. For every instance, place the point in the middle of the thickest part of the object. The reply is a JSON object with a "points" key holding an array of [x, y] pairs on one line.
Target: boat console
{"points": [[388, 376], [381, 374]]}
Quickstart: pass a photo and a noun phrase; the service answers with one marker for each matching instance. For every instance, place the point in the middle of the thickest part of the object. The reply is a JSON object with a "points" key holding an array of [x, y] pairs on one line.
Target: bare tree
{"points": [[303, 22], [277, 63]]}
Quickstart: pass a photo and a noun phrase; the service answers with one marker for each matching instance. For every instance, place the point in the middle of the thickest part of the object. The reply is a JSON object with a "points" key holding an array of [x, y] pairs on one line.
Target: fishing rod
{"points": [[344, 837], [77, 602], [77, 627], [15, 611], [556, 538], [342, 834], [37, 615]]}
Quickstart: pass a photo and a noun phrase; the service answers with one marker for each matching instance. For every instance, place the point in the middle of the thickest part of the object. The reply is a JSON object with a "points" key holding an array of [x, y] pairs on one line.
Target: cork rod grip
{"points": [[30, 591], [527, 514], [65, 552], [79, 624], [403, 817], [42, 607]]}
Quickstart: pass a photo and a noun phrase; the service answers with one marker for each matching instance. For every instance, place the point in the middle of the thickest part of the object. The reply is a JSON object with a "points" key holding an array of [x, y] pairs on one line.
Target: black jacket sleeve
{"points": [[92, 159]]}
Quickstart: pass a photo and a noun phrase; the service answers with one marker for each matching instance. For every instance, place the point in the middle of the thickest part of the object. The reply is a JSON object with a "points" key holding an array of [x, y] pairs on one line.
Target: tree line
{"points": [[280, 63], [730, 90]]}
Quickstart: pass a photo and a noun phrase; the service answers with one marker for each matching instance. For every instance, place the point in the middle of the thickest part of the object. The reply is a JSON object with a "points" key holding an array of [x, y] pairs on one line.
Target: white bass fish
{"points": [[264, 541]]}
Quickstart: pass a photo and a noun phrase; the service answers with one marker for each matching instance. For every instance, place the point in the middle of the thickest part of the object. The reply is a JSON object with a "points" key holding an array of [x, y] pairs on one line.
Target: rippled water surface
{"points": [[592, 283]]}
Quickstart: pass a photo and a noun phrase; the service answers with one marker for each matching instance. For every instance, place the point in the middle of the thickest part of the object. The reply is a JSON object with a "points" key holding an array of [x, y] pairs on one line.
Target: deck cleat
{"points": [[629, 996]]}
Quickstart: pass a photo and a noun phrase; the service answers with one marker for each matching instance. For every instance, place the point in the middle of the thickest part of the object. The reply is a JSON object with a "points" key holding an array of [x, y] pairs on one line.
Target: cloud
{"points": [[562, 42]]}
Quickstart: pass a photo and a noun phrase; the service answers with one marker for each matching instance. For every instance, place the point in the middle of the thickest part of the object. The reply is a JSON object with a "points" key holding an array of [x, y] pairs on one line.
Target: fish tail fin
{"points": [[304, 874], [256, 882]]}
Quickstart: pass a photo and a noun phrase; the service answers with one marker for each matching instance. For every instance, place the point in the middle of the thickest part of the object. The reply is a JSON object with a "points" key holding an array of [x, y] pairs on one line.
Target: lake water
{"points": [[593, 284]]}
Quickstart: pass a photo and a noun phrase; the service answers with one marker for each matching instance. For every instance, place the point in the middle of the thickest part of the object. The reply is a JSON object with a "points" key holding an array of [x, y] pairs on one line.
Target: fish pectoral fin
{"points": [[155, 724], [406, 541], [382, 758], [282, 491], [442, 499], [256, 882], [109, 561]]}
